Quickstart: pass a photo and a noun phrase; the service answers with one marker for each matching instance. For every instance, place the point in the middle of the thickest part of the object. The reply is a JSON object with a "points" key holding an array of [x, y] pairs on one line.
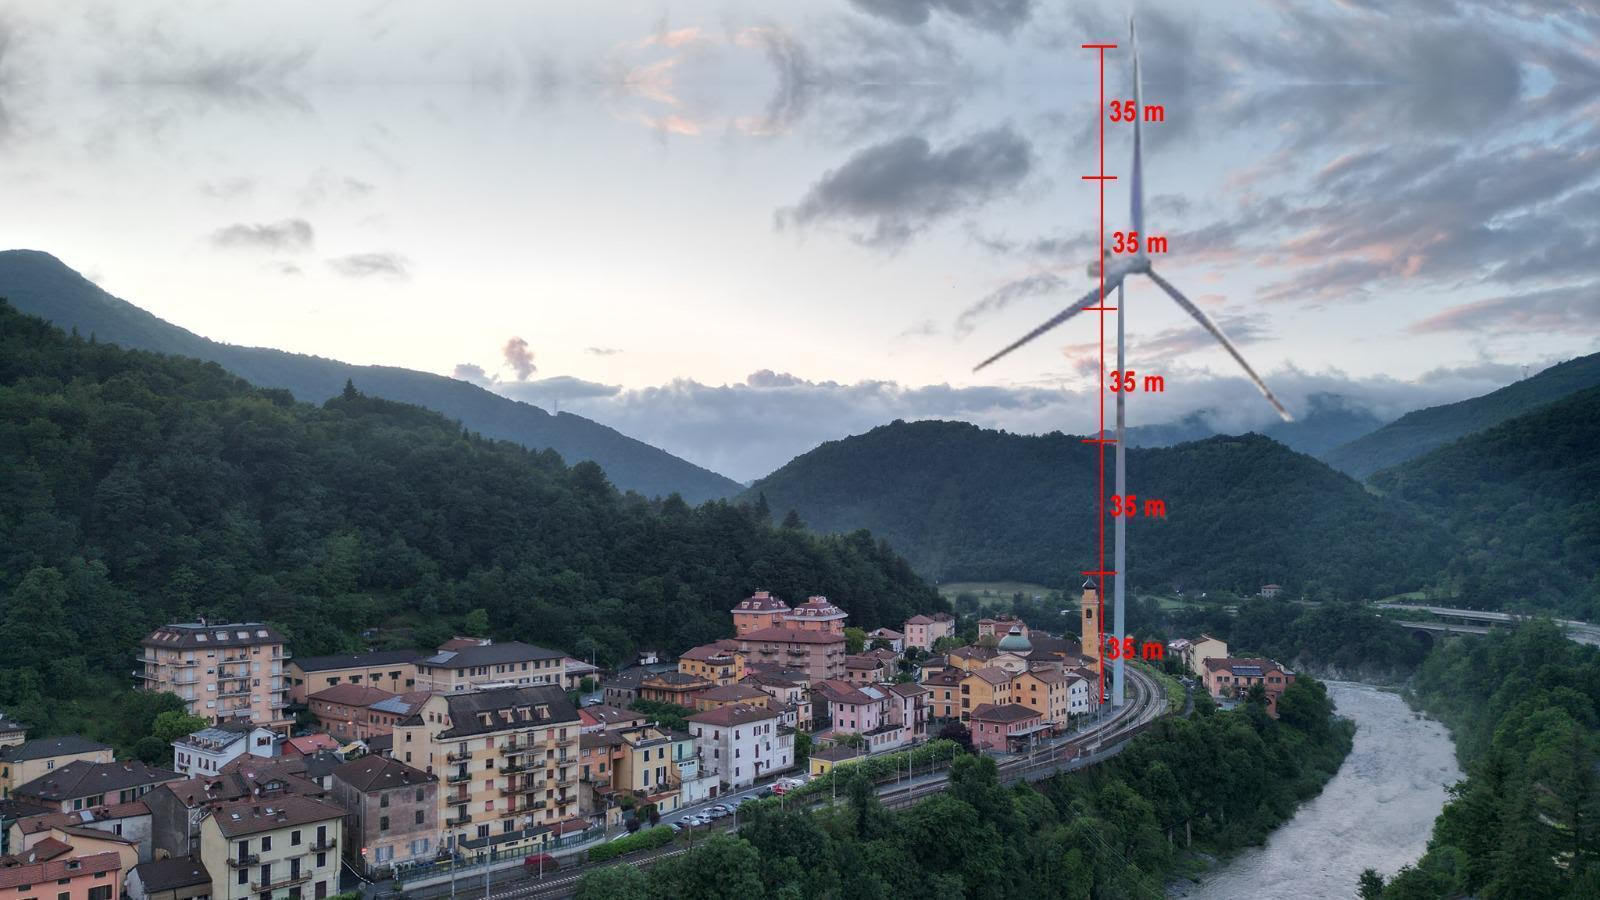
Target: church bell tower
{"points": [[1091, 619]]}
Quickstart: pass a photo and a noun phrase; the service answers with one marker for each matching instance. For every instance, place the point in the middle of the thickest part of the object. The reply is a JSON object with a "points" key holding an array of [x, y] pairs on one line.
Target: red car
{"points": [[538, 862]]}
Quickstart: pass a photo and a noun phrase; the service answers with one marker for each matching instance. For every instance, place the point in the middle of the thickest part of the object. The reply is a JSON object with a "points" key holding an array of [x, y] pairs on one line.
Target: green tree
{"points": [[855, 639], [616, 882], [174, 724], [1370, 885], [722, 868]]}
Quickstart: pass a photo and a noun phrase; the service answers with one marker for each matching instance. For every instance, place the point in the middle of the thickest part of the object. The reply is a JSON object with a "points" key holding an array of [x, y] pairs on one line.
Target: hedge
{"points": [[648, 839], [876, 768]]}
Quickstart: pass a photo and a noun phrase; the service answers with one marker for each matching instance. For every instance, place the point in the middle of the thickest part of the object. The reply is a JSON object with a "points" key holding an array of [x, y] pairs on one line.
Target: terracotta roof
{"points": [[1048, 676], [761, 601], [1003, 712], [311, 743], [973, 651], [55, 870], [49, 848], [779, 634], [256, 815], [79, 817], [907, 689], [351, 695], [708, 652], [919, 620], [991, 674], [862, 661], [888, 633], [369, 660], [376, 773], [608, 715], [734, 693], [733, 714]]}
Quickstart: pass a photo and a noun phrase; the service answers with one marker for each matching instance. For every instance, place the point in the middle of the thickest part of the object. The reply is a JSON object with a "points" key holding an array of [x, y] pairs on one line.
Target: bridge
{"points": [[1482, 621]]}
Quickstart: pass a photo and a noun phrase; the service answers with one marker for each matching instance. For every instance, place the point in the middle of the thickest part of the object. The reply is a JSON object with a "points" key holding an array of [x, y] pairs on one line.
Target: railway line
{"points": [[1087, 748]]}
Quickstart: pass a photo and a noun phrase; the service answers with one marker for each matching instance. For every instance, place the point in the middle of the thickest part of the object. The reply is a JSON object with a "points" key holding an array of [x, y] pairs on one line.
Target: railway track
{"points": [[1148, 703]]}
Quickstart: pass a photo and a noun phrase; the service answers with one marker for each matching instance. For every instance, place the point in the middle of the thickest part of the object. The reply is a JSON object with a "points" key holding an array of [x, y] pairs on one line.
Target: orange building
{"points": [[817, 614], [718, 662], [989, 685], [94, 877], [757, 611]]}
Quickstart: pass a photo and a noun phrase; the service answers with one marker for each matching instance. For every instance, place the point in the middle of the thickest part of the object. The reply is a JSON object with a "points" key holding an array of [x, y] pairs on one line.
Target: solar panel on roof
{"points": [[1247, 670]]}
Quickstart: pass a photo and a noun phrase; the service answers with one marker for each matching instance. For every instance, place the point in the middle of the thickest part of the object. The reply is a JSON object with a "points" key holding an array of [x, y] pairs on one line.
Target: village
{"points": [[313, 773]]}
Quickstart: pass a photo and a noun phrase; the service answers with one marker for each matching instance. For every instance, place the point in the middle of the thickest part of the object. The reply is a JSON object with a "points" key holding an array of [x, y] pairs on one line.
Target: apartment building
{"points": [[818, 613], [864, 669], [921, 631], [23, 762], [393, 813], [508, 758], [463, 664], [673, 687], [223, 673], [757, 611], [740, 744], [719, 663], [280, 847], [121, 827], [1045, 691], [987, 686], [944, 693], [206, 751], [394, 671], [646, 767], [94, 877], [351, 712], [1193, 652], [177, 808], [818, 653]]}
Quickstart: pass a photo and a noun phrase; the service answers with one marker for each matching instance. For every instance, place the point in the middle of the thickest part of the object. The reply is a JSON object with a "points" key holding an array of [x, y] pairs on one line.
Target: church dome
{"points": [[1015, 641]]}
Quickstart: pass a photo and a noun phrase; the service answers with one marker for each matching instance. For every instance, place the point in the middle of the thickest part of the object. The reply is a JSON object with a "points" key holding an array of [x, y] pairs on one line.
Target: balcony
{"points": [[458, 820], [281, 883], [457, 799], [458, 778], [239, 862], [323, 845], [513, 747], [513, 768], [458, 755]]}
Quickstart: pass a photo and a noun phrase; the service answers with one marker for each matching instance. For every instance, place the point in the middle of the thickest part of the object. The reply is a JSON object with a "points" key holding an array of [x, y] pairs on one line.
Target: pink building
{"points": [[820, 654], [1005, 727], [1232, 677], [817, 614], [922, 631], [94, 877]]}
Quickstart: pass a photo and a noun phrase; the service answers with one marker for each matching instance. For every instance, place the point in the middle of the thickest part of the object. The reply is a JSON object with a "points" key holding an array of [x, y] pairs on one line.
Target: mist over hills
{"points": [[39, 284], [1328, 421]]}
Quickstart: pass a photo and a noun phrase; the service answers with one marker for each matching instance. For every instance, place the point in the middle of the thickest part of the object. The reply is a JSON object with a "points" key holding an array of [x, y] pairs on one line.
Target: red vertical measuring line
{"points": [[1100, 496]]}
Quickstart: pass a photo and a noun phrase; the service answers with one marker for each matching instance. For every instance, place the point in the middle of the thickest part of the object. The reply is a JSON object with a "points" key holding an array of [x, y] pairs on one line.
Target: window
{"points": [[244, 876], [294, 838], [266, 843], [322, 860], [383, 801], [383, 823], [419, 790], [100, 892]]}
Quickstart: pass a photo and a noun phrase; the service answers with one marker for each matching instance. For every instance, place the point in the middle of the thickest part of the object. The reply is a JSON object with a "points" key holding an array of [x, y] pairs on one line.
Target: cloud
{"points": [[366, 265], [283, 267], [287, 236], [519, 358], [749, 428], [1035, 285], [325, 186], [998, 16], [1573, 309], [228, 188], [472, 373], [602, 351], [901, 187]]}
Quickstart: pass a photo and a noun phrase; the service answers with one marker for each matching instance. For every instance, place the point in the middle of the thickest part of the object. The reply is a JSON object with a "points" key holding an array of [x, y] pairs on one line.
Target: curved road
{"points": [[1098, 742]]}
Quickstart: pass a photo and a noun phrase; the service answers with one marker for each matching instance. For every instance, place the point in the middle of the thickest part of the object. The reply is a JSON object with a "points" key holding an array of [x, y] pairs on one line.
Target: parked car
{"points": [[540, 862], [675, 827], [780, 789], [766, 792]]}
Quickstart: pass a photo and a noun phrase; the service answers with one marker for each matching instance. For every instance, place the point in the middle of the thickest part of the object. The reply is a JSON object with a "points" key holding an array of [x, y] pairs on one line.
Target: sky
{"points": [[738, 230]]}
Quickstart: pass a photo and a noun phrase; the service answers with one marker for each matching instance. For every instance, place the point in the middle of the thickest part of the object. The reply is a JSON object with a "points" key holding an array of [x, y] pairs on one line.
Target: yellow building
{"points": [[720, 662], [279, 847], [23, 762], [508, 757], [394, 671], [645, 768], [829, 758], [1044, 691], [747, 694], [987, 685]]}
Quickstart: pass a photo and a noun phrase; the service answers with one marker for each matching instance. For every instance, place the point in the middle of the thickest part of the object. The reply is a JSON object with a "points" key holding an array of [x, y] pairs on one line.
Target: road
{"points": [[1582, 632], [1098, 741]]}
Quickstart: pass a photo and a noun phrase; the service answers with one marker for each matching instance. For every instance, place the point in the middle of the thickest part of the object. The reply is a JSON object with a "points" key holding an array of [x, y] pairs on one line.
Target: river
{"points": [[1376, 812]]}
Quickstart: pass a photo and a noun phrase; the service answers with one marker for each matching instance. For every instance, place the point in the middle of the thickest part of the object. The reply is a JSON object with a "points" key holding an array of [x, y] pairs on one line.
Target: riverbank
{"points": [[1375, 812]]}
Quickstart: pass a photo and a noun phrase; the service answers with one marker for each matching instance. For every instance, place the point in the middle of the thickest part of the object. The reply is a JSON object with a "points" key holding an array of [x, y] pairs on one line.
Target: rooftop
{"points": [[523, 706], [351, 695], [44, 748], [256, 815], [991, 674], [711, 652], [172, 874], [816, 607], [196, 635], [375, 773], [733, 714], [81, 778], [734, 693], [489, 655], [761, 601], [57, 869], [357, 660], [1003, 712], [779, 635]]}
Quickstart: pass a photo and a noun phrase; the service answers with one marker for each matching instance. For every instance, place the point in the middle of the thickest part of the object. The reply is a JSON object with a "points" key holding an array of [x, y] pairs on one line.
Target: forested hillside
{"points": [[964, 503], [1415, 433], [137, 488], [1525, 824], [1523, 500], [41, 285]]}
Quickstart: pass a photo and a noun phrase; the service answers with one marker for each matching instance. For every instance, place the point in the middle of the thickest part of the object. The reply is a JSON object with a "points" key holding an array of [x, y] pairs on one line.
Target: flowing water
{"points": [[1376, 812]]}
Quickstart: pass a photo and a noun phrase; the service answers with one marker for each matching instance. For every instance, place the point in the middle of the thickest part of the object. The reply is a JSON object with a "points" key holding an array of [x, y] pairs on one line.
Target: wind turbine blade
{"points": [[1216, 332], [1057, 319], [1136, 189]]}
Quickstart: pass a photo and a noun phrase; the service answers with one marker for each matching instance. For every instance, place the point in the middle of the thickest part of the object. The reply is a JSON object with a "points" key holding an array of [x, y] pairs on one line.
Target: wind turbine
{"points": [[1117, 271]]}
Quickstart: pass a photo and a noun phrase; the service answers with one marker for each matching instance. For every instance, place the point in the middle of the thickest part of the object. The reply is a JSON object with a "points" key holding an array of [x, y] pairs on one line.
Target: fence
{"points": [[473, 862]]}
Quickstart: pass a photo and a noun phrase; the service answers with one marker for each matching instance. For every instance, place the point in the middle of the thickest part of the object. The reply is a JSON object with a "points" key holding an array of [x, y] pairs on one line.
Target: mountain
{"points": [[1327, 421], [39, 284], [137, 488], [1415, 433], [964, 503], [1523, 498]]}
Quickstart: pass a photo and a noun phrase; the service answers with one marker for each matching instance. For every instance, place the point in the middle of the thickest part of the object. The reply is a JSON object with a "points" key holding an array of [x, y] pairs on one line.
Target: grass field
{"points": [[992, 592]]}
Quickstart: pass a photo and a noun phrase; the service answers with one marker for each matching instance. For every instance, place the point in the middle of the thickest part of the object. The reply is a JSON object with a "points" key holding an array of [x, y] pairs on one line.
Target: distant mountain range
{"points": [[1328, 421], [1418, 432], [41, 285], [964, 503]]}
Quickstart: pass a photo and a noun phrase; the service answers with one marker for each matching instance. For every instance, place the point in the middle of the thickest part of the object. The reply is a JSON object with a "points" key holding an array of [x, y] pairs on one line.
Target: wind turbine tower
{"points": [[1117, 270]]}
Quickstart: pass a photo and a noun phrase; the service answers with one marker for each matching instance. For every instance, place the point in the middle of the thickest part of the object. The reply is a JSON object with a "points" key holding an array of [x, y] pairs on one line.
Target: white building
{"points": [[206, 751], [1080, 694], [741, 743]]}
